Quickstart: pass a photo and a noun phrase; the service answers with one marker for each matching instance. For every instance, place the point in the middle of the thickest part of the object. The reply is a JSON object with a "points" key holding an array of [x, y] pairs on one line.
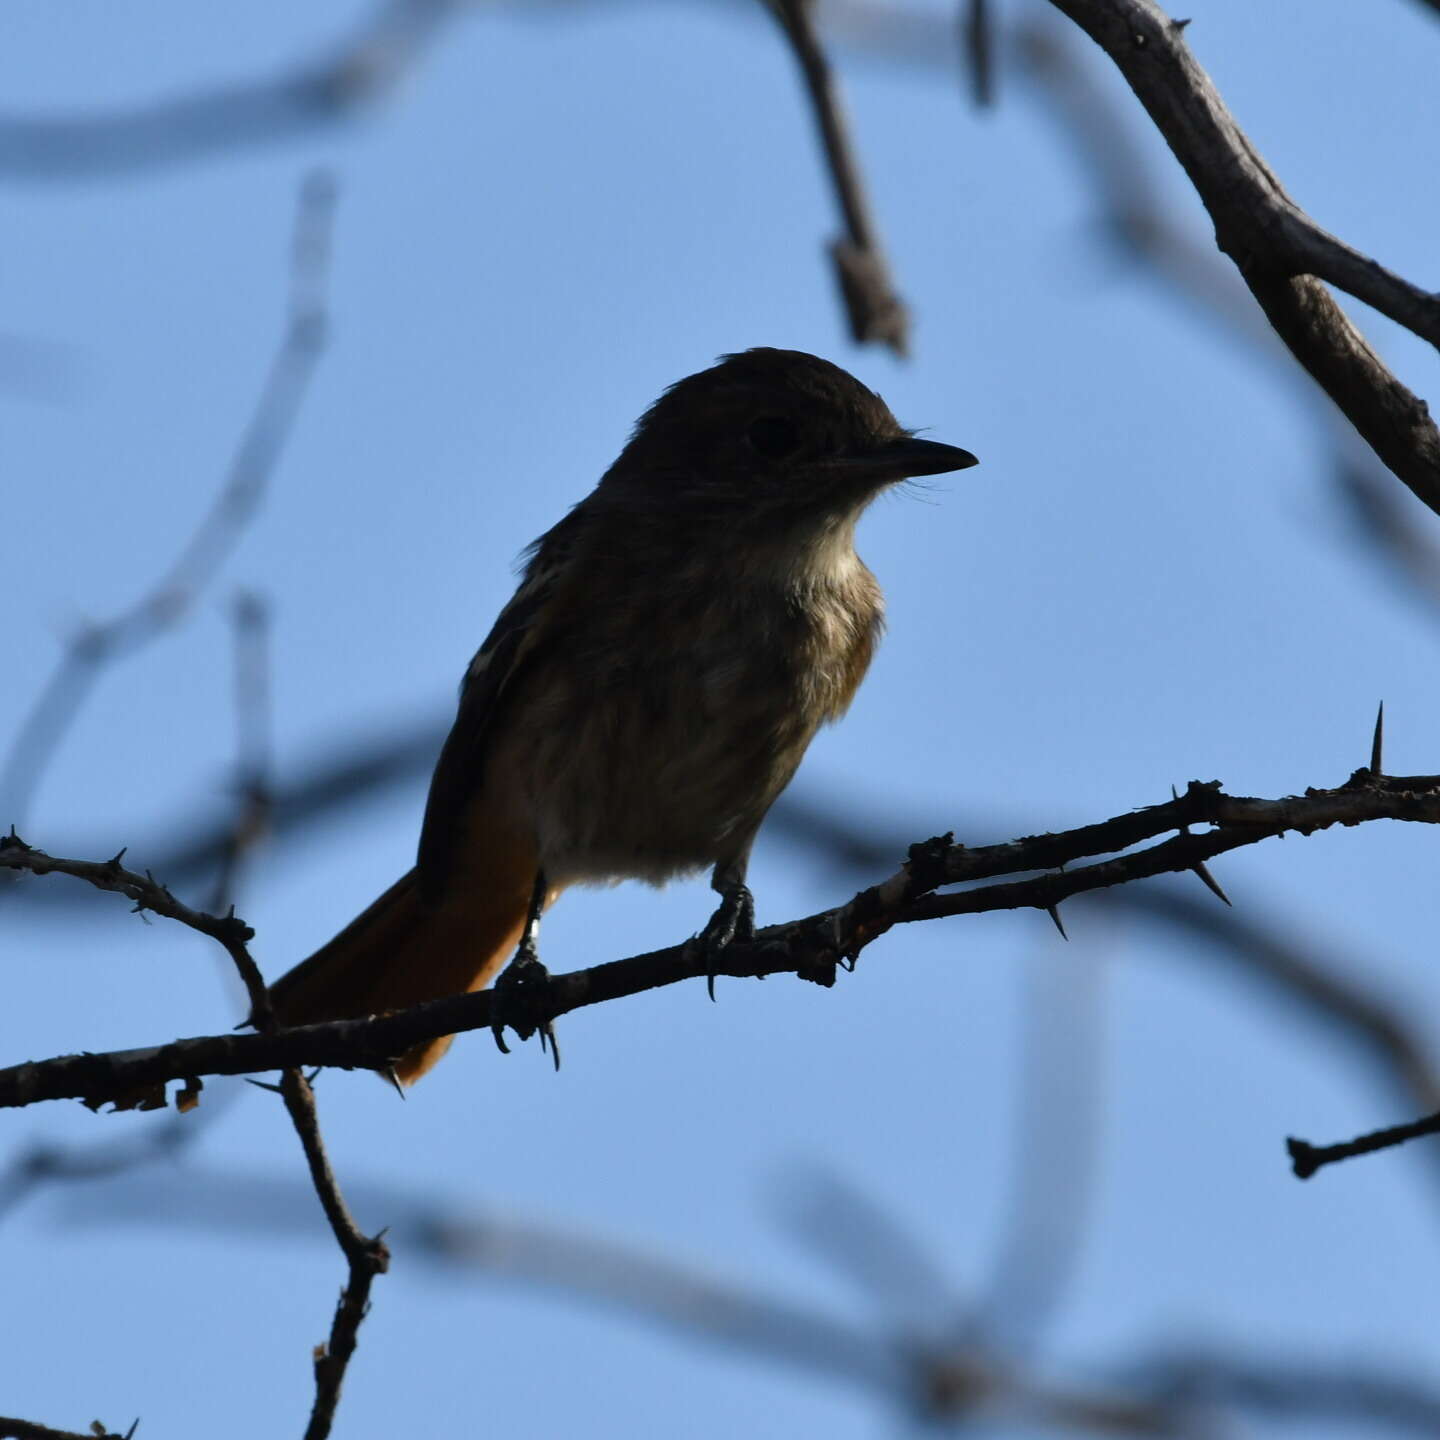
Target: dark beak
{"points": [[905, 458]]}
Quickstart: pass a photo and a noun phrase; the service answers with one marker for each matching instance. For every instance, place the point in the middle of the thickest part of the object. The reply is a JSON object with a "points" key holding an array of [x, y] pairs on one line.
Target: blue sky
{"points": [[1149, 579]]}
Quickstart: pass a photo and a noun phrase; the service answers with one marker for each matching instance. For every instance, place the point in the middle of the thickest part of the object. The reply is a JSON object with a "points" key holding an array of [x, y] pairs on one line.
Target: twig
{"points": [[1306, 1159], [874, 310], [1282, 255], [148, 894], [1142, 231], [812, 948], [367, 1257], [172, 598]]}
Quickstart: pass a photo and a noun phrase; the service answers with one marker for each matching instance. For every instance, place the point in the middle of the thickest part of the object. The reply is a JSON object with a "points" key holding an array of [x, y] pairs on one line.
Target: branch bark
{"points": [[1281, 253], [812, 947]]}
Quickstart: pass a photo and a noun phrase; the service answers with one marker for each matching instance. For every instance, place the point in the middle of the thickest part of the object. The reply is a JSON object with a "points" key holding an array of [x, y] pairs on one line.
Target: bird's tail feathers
{"points": [[400, 952]]}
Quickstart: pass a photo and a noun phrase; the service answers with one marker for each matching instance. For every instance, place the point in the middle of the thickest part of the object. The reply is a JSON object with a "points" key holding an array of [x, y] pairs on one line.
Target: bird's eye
{"points": [[774, 436]]}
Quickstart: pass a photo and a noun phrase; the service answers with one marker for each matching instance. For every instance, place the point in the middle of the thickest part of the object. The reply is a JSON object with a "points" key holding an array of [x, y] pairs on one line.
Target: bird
{"points": [[673, 645]]}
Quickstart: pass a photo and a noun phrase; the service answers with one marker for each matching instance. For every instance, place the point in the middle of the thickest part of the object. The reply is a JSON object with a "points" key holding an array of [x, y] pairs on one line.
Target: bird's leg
{"points": [[734, 919], [520, 991]]}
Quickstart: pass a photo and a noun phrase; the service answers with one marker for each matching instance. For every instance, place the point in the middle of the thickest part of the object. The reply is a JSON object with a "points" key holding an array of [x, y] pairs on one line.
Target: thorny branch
{"points": [[812, 947], [29, 1430], [1281, 253], [875, 311], [367, 1257]]}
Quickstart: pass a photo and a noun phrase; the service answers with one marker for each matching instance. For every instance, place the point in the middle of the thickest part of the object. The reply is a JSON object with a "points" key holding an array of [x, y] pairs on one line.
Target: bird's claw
{"points": [[733, 923], [519, 1002]]}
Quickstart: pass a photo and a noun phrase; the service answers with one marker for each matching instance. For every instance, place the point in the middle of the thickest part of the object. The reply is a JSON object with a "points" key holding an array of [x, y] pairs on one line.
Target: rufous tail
{"points": [[401, 951]]}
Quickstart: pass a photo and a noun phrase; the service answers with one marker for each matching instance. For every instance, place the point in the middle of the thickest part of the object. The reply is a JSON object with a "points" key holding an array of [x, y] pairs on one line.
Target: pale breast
{"points": [[648, 740]]}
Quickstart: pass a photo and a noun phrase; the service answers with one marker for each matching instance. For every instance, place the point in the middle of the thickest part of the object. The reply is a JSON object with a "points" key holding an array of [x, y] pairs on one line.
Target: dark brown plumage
{"points": [[675, 642]]}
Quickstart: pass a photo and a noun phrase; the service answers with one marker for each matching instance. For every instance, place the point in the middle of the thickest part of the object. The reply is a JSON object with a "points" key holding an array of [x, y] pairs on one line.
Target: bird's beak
{"points": [[906, 457]]}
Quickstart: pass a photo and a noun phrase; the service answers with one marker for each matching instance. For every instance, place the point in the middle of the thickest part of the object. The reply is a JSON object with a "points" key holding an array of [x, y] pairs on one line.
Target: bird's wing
{"points": [[510, 647]]}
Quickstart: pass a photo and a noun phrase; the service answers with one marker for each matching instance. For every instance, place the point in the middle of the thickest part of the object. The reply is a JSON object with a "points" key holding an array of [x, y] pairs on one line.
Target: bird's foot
{"points": [[733, 923], [519, 997]]}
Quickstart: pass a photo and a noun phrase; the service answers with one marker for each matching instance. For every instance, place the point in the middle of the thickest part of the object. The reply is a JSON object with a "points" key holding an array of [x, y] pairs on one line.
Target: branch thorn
{"points": [[1377, 743], [1210, 882], [1054, 913]]}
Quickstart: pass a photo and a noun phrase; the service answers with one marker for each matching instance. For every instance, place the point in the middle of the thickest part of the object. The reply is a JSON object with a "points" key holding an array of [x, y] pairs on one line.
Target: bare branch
{"points": [[1306, 1159], [1281, 253], [367, 1257], [875, 311], [29, 1430], [148, 894], [811, 948]]}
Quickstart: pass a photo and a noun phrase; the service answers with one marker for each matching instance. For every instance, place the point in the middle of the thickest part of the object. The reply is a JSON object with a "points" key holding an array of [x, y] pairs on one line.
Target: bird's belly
{"points": [[663, 770]]}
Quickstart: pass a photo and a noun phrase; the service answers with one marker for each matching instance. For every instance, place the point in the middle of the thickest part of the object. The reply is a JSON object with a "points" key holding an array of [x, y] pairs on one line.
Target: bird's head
{"points": [[773, 431]]}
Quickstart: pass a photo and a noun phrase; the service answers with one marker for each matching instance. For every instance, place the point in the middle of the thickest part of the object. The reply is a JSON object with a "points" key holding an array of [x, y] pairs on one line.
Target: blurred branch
{"points": [[313, 96], [1281, 1388], [1054, 1153], [173, 597], [254, 764], [1271, 953], [812, 947], [977, 31], [903, 1281], [1173, 1393], [1282, 255], [875, 311], [338, 777], [40, 1163]]}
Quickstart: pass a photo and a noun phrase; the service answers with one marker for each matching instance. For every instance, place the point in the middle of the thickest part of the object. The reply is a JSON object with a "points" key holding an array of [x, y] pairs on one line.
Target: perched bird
{"points": [[674, 644]]}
